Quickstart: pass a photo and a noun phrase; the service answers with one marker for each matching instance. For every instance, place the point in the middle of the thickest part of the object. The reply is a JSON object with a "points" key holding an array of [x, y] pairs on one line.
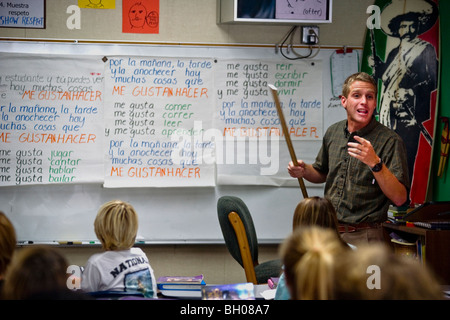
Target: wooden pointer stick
{"points": [[287, 136]]}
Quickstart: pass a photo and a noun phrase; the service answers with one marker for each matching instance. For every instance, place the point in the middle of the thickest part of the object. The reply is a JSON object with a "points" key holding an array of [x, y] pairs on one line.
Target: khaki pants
{"points": [[364, 236]]}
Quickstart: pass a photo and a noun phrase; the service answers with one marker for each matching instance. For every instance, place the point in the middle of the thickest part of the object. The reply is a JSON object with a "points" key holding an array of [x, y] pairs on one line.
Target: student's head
{"points": [[375, 272], [359, 76], [7, 243], [116, 225], [315, 211], [308, 255], [35, 270]]}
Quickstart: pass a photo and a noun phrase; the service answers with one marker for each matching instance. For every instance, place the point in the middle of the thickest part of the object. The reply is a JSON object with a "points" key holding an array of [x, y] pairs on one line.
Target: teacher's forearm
{"points": [[391, 187], [313, 175]]}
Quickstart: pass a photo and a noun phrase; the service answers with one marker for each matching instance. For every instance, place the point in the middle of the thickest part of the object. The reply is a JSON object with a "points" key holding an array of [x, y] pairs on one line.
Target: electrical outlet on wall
{"points": [[310, 35]]}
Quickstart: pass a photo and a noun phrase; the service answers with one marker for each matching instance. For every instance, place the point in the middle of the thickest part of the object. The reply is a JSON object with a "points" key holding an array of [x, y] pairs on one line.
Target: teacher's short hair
{"points": [[359, 76]]}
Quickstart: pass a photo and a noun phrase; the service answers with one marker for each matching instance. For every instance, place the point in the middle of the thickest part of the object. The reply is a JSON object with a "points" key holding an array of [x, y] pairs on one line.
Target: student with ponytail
{"points": [[309, 255], [312, 211]]}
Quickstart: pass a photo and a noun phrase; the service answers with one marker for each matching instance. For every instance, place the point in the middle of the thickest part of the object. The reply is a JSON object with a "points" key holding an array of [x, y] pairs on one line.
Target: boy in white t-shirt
{"points": [[121, 267]]}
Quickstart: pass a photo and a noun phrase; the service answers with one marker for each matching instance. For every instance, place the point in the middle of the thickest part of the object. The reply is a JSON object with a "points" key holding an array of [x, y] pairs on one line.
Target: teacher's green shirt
{"points": [[350, 184]]}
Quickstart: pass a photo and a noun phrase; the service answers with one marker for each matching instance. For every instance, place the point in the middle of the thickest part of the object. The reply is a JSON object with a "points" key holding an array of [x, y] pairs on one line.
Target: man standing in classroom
{"points": [[363, 164]]}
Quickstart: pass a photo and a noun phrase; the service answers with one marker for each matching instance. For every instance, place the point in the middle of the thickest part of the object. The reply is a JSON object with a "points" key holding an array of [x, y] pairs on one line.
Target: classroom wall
{"points": [[192, 21]]}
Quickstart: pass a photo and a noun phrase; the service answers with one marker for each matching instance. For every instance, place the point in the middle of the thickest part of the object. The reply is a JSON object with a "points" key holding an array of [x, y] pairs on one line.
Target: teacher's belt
{"points": [[352, 227]]}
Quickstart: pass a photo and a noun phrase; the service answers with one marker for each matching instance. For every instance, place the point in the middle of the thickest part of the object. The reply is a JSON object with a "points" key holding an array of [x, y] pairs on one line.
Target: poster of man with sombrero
{"points": [[402, 55]]}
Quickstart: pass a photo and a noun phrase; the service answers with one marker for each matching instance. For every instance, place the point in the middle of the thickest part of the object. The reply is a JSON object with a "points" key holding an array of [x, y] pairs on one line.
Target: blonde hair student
{"points": [[121, 267], [116, 225], [309, 255], [375, 272], [312, 211], [315, 211]]}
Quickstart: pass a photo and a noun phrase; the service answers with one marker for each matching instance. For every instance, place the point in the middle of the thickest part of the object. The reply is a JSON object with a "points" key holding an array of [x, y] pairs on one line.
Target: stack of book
{"points": [[181, 286], [395, 214]]}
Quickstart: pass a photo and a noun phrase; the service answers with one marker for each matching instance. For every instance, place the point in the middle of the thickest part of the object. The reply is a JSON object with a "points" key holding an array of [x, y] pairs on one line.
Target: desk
{"points": [[435, 244]]}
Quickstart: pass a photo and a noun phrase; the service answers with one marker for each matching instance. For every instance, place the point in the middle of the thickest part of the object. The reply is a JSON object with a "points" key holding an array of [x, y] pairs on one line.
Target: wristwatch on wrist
{"points": [[378, 166]]}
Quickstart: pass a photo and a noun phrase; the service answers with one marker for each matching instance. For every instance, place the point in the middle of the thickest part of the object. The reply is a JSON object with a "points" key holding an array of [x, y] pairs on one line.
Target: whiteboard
{"points": [[65, 212]]}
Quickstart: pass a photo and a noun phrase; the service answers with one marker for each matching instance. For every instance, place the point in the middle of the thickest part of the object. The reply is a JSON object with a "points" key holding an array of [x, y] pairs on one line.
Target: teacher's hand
{"points": [[297, 171], [363, 151]]}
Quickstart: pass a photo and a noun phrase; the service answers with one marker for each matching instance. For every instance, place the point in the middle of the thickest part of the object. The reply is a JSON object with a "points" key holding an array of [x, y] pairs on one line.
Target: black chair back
{"points": [[225, 205]]}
